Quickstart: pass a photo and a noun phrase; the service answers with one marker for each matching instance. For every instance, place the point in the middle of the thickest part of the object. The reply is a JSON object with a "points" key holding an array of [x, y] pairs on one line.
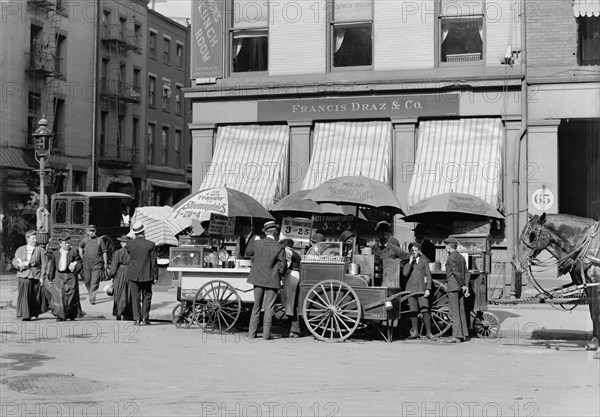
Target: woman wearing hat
{"points": [[65, 265], [118, 269], [30, 261]]}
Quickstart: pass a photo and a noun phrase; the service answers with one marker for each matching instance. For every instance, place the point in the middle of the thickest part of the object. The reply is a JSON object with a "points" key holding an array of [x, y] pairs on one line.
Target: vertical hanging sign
{"points": [[207, 39]]}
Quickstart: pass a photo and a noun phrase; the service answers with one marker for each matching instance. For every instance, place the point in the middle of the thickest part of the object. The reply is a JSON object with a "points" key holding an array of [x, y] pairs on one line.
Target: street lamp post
{"points": [[42, 139]]}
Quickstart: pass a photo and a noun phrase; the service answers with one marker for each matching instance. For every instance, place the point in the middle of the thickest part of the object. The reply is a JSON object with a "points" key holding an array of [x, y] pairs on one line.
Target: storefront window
{"points": [[351, 33], [588, 45], [250, 36]]}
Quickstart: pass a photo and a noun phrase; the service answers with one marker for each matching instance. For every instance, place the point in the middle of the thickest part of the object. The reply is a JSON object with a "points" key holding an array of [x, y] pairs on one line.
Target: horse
{"points": [[575, 243]]}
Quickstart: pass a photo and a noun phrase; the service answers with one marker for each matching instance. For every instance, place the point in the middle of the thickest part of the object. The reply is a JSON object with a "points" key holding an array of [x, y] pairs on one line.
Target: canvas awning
{"points": [[12, 158], [176, 185], [350, 148], [461, 156], [252, 159], [104, 181], [587, 8]]}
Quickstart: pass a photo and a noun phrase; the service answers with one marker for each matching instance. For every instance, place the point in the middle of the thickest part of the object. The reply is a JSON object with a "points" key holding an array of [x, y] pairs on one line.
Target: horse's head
{"points": [[534, 239]]}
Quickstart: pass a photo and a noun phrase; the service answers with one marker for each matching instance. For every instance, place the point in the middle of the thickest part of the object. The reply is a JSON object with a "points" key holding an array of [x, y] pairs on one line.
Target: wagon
{"points": [[335, 304]]}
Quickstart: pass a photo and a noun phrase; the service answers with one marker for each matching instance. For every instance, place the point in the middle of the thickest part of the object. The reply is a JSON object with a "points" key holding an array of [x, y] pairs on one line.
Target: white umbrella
{"points": [[160, 229]]}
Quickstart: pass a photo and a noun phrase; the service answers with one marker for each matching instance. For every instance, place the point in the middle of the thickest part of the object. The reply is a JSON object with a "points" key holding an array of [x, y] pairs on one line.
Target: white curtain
{"points": [[237, 46], [339, 39]]}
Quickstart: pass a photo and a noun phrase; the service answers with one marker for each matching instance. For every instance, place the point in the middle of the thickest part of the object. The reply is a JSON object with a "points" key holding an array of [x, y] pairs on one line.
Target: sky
{"points": [[173, 8]]}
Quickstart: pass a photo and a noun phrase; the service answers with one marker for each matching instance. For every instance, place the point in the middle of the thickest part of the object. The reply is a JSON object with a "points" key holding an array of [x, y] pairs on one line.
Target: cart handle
{"points": [[390, 298]]}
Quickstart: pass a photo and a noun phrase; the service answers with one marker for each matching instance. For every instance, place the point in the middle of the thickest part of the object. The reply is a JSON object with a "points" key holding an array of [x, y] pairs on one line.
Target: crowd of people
{"points": [[276, 266], [49, 281]]}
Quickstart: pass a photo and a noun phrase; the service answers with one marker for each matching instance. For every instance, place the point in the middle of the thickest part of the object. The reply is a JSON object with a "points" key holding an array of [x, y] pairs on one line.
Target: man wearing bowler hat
{"points": [[387, 246], [268, 268], [92, 251], [142, 272], [458, 288]]}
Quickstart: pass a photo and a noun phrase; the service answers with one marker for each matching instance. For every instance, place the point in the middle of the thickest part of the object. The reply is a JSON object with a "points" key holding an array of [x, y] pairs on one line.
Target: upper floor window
{"points": [[351, 33], [152, 91], [179, 57], [150, 142], [166, 94], [461, 31], [152, 45], [166, 50], [250, 36], [588, 40], [178, 99]]}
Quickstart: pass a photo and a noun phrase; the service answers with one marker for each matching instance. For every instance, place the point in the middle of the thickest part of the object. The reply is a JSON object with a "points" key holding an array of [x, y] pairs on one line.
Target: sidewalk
{"points": [[518, 322]]}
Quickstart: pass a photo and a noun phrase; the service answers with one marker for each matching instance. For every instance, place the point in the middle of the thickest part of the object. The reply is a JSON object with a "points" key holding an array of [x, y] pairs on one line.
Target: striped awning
{"points": [[252, 159], [462, 156], [350, 148], [159, 228], [12, 158], [586, 8]]}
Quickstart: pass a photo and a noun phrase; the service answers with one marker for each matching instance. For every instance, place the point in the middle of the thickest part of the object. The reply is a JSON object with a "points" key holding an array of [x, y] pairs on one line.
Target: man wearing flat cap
{"points": [[387, 246], [458, 288], [64, 266], [142, 272], [268, 268], [92, 251]]}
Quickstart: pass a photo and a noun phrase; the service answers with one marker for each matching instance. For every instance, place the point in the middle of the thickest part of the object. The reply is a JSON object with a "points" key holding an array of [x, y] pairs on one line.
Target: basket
{"points": [[313, 259]]}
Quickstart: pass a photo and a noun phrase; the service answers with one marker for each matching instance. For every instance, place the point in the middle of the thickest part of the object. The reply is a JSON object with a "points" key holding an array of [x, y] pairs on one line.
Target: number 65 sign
{"points": [[542, 199]]}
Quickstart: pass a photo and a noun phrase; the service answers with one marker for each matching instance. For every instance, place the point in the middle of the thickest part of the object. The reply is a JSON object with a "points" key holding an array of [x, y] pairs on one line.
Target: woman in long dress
{"points": [[65, 265], [121, 305], [30, 261]]}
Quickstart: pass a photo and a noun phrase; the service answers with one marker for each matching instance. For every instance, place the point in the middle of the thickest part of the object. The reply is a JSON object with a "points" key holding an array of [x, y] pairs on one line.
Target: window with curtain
{"points": [[461, 31], [588, 40], [351, 33], [250, 36]]}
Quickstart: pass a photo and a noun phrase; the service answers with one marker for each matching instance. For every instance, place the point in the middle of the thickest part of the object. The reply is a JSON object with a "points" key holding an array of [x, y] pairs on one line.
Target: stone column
{"points": [[202, 151], [299, 154], [404, 143]]}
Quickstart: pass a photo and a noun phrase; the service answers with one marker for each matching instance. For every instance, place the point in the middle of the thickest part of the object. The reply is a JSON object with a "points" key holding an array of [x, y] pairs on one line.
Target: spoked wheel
{"points": [[332, 311], [217, 306], [183, 315], [486, 325], [439, 309]]}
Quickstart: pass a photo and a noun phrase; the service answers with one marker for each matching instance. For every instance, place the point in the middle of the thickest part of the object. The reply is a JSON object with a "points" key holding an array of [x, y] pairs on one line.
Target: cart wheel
{"points": [[486, 325], [439, 310], [182, 315], [217, 306], [332, 310]]}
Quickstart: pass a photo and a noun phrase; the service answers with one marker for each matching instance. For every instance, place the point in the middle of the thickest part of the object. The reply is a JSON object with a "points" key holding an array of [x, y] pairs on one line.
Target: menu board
{"points": [[221, 225], [332, 225], [297, 229]]}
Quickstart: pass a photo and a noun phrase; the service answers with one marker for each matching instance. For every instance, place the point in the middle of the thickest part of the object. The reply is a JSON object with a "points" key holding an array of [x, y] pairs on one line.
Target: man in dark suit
{"points": [[458, 289], [142, 272], [268, 268], [245, 240], [387, 246]]}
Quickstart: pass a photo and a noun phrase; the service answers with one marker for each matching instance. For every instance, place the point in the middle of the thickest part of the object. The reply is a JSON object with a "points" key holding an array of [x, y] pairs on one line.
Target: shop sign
{"points": [[207, 39], [332, 225], [342, 108], [542, 199], [221, 225], [297, 229]]}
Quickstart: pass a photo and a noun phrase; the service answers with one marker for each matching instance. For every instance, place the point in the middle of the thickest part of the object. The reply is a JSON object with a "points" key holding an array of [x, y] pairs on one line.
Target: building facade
{"points": [[166, 132], [119, 116], [425, 96]]}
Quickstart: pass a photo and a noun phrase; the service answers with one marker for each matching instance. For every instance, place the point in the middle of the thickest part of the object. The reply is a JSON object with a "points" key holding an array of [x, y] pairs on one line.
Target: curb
{"points": [[559, 334]]}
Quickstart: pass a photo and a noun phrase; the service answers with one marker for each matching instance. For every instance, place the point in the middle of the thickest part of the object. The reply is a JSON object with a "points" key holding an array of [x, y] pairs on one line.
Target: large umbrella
{"points": [[295, 205], [159, 228], [222, 200], [450, 206], [357, 190]]}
